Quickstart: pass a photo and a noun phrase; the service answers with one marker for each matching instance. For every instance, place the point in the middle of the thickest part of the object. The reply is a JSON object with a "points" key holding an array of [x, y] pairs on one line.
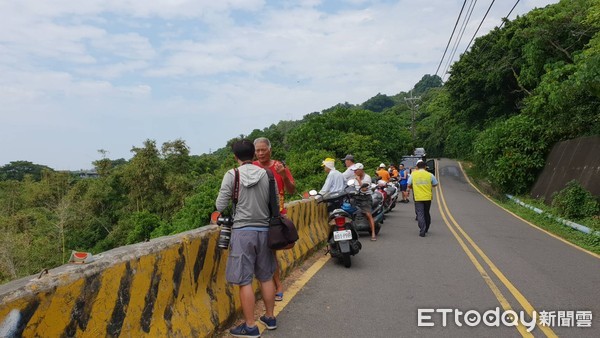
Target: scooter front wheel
{"points": [[377, 228]]}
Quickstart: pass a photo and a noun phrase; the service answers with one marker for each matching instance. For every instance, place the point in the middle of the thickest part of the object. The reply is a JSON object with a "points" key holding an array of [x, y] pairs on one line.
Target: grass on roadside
{"points": [[586, 241], [590, 222]]}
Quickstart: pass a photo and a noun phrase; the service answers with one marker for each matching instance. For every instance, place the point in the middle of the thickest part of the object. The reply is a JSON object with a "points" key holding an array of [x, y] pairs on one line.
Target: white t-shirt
{"points": [[334, 183], [348, 174], [366, 179]]}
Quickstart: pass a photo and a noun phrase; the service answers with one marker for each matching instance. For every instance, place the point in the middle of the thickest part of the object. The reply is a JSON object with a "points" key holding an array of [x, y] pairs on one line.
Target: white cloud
{"points": [[111, 73], [133, 8], [113, 70], [129, 46]]}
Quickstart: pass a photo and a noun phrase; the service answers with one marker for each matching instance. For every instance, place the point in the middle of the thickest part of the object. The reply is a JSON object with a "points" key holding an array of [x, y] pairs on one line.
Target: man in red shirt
{"points": [[285, 183]]}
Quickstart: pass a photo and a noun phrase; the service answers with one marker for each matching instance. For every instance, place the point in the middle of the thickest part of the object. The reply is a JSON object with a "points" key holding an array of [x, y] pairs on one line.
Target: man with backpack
{"points": [[249, 255]]}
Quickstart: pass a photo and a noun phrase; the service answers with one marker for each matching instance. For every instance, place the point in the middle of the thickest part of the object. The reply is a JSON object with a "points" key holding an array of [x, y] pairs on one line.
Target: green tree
{"points": [[505, 66], [11, 199], [426, 83], [17, 170], [177, 156], [196, 210], [567, 101], [144, 178], [575, 202], [143, 223], [378, 103], [433, 129], [511, 153], [103, 165]]}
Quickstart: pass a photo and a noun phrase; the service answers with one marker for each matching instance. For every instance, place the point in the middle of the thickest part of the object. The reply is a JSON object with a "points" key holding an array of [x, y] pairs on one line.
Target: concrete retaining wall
{"points": [[575, 159], [169, 287]]}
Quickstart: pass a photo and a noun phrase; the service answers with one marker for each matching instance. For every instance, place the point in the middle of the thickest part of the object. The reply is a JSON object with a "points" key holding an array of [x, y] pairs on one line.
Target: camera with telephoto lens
{"points": [[225, 222]]}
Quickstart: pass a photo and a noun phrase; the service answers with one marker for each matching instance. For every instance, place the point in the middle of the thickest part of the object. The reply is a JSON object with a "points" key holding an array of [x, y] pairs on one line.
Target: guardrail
{"points": [[566, 222], [169, 286]]}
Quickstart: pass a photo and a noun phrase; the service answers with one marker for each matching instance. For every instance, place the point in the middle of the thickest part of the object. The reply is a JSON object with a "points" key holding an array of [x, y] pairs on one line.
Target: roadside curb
{"points": [[566, 222], [524, 220]]}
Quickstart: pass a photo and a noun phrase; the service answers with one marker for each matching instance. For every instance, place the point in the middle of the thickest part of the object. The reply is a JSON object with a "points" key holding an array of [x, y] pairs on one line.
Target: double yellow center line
{"points": [[474, 252]]}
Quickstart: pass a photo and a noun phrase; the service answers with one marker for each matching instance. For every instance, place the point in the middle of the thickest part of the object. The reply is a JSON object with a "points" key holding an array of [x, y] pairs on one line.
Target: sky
{"points": [[82, 76]]}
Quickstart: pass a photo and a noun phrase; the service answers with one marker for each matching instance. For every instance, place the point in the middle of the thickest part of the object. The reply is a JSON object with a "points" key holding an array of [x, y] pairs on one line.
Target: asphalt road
{"points": [[476, 257]]}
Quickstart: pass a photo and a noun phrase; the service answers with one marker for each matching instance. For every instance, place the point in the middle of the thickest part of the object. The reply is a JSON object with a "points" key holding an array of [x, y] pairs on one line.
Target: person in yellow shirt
{"points": [[383, 173], [421, 182]]}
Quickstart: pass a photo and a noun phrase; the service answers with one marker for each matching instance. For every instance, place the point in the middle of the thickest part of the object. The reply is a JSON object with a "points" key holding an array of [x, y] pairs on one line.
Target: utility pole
{"points": [[413, 105]]}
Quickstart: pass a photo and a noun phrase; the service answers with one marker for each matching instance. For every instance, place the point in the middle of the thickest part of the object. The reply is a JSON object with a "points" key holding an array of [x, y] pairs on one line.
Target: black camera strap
{"points": [[236, 188], [273, 196]]}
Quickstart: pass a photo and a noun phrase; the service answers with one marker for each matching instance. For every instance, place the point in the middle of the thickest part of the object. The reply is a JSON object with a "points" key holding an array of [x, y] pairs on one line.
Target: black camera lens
{"points": [[225, 232], [224, 238]]}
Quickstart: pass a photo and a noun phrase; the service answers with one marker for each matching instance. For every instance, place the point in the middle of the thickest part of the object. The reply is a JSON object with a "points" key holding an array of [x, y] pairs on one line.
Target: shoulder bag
{"points": [[282, 232]]}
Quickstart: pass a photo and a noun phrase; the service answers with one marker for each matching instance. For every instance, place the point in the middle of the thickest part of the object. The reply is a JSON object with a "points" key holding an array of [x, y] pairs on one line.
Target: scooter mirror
{"points": [[312, 193], [351, 182]]}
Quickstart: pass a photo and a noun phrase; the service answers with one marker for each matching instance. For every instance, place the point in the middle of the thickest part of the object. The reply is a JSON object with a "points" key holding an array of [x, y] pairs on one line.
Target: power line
{"points": [[482, 20], [412, 104], [486, 42], [507, 15], [451, 35], [462, 32], [470, 11]]}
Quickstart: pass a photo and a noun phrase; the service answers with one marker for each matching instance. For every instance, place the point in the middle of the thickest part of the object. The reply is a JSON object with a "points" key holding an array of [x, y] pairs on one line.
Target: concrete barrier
{"points": [[575, 159], [566, 222], [171, 286]]}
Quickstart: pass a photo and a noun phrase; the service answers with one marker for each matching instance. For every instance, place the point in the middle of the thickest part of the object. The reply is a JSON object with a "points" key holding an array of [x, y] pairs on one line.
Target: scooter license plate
{"points": [[343, 235]]}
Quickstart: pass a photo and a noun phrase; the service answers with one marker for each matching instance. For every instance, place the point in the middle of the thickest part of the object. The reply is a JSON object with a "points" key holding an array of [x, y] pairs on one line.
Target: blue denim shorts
{"points": [[249, 256]]}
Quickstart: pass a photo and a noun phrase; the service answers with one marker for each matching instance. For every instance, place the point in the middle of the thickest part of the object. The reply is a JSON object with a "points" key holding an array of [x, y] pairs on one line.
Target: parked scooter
{"points": [[343, 239], [361, 222], [386, 190], [377, 209], [393, 190]]}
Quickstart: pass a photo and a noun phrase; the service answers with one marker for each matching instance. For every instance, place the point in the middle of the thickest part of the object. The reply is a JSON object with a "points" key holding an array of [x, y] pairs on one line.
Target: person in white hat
{"points": [[383, 173], [334, 183], [364, 203]]}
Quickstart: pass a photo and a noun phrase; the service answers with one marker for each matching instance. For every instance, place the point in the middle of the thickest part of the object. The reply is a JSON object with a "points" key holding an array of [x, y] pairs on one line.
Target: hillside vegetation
{"points": [[517, 92]]}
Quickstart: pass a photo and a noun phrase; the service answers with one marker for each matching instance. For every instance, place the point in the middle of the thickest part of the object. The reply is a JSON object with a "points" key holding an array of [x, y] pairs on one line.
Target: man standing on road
{"points": [[285, 183], [249, 255], [421, 182], [403, 175]]}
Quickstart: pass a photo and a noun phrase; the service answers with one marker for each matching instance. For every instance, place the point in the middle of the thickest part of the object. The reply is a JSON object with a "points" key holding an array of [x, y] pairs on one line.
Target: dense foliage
{"points": [[574, 202], [17, 170], [518, 91]]}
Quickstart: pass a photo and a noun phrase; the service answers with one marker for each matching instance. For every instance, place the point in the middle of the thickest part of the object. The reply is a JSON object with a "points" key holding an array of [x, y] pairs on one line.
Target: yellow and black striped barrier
{"points": [[170, 286]]}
